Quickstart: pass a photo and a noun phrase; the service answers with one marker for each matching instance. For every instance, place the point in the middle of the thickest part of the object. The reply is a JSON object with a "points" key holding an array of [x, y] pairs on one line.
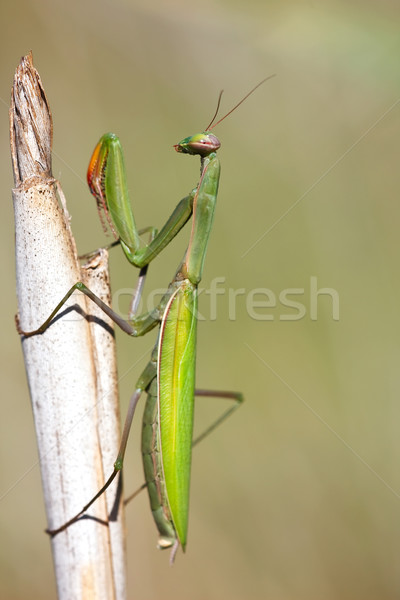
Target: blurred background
{"points": [[297, 496]]}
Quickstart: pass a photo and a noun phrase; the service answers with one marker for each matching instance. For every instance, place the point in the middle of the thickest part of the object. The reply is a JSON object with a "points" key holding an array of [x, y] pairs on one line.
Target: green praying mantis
{"points": [[169, 377]]}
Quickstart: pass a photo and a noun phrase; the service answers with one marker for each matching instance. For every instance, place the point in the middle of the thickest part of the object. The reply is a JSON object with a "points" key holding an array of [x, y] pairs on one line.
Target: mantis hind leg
{"points": [[237, 397], [142, 384], [117, 467]]}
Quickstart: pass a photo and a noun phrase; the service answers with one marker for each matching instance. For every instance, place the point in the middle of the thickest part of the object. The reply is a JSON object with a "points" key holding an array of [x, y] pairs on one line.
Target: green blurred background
{"points": [[297, 496]]}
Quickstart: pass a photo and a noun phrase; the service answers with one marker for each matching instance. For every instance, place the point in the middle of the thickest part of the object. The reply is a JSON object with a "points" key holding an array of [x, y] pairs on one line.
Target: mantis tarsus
{"points": [[169, 377]]}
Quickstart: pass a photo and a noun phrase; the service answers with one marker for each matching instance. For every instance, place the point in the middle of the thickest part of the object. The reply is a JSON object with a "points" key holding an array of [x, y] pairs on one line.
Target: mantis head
{"points": [[205, 143], [200, 143]]}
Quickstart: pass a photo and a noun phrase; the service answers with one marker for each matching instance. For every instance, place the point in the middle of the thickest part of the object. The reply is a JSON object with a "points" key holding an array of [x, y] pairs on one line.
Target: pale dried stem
{"points": [[73, 393]]}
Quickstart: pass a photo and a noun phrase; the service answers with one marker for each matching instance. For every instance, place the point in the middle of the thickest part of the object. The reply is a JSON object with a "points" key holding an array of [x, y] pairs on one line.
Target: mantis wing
{"points": [[176, 383]]}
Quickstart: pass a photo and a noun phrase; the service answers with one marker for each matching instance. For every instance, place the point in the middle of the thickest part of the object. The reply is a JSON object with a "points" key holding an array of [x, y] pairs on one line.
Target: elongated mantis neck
{"points": [[205, 160], [202, 161], [203, 216]]}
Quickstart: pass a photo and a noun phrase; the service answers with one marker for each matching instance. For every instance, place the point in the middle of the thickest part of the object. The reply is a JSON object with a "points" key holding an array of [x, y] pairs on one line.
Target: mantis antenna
{"points": [[236, 106]]}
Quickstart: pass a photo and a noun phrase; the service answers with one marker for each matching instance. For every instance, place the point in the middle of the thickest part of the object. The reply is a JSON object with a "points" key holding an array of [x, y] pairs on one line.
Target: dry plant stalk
{"points": [[71, 366]]}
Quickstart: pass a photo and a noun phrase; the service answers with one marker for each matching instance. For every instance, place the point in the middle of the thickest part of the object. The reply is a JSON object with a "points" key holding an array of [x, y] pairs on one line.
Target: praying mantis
{"points": [[169, 377]]}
